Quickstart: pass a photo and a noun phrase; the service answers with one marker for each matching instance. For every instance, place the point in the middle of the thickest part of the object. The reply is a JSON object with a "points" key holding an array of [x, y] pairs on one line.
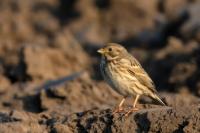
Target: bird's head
{"points": [[112, 51]]}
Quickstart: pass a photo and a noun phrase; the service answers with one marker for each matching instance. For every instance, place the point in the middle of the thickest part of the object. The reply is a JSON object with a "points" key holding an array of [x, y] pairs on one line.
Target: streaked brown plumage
{"points": [[125, 74]]}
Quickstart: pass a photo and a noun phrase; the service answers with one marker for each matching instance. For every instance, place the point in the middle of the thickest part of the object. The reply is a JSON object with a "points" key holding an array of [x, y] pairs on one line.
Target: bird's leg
{"points": [[134, 106], [119, 108], [135, 101]]}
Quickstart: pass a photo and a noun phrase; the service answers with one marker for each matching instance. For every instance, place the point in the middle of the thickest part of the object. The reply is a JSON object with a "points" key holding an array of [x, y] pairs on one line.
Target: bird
{"points": [[126, 76]]}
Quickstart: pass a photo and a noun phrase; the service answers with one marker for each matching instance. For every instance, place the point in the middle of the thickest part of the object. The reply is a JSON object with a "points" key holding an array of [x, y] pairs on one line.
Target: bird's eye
{"points": [[109, 49]]}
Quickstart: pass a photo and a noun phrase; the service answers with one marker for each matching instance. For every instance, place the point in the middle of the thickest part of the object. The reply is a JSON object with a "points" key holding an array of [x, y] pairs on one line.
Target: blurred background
{"points": [[48, 59]]}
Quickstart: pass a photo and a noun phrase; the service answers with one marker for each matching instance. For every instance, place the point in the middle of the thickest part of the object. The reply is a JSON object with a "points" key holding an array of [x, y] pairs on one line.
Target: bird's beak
{"points": [[101, 51]]}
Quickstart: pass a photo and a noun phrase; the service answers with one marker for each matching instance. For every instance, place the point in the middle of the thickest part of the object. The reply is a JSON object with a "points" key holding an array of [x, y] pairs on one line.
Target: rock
{"points": [[173, 8], [164, 119], [20, 122], [90, 94], [49, 68], [44, 63], [61, 128], [191, 28], [5, 83], [120, 25]]}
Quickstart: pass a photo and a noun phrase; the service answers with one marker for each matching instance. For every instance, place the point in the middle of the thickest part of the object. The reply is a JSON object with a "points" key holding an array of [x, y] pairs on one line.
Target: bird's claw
{"points": [[130, 111], [118, 110]]}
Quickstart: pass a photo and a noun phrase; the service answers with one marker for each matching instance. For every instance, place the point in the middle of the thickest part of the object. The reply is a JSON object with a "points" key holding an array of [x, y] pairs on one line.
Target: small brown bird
{"points": [[125, 75]]}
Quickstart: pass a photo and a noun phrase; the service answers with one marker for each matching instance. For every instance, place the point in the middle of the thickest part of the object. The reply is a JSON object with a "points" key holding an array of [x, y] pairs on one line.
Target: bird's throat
{"points": [[109, 58]]}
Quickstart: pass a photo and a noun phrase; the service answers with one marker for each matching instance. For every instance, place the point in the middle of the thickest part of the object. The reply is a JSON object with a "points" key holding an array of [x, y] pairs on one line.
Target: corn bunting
{"points": [[125, 75]]}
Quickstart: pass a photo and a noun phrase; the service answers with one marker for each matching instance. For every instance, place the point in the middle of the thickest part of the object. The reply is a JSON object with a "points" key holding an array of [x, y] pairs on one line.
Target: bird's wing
{"points": [[139, 73]]}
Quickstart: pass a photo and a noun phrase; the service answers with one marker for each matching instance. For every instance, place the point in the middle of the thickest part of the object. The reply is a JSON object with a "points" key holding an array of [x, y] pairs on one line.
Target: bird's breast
{"points": [[117, 77]]}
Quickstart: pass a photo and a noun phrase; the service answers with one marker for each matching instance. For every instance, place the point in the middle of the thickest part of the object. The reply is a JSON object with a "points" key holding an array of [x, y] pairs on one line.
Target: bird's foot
{"points": [[130, 111], [118, 110]]}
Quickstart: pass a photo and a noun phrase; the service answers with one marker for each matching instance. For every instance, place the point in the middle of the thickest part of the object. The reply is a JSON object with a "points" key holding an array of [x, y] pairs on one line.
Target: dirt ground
{"points": [[49, 68]]}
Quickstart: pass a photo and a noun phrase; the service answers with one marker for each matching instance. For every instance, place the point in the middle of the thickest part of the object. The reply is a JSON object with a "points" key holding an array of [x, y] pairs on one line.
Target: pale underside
{"points": [[127, 77]]}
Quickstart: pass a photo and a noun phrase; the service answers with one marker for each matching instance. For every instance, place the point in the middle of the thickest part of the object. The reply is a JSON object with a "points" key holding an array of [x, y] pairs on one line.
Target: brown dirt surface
{"points": [[50, 80]]}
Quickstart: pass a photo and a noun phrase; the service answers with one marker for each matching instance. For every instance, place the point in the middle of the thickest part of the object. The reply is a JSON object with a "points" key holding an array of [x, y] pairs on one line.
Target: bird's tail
{"points": [[156, 97]]}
